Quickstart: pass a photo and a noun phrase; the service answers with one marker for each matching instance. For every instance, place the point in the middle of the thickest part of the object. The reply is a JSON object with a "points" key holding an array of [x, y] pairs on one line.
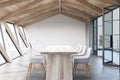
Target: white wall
{"points": [[57, 30]]}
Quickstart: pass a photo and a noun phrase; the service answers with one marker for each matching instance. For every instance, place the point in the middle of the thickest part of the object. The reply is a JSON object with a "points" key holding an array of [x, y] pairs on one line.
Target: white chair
{"points": [[84, 59], [80, 49], [36, 60], [82, 52]]}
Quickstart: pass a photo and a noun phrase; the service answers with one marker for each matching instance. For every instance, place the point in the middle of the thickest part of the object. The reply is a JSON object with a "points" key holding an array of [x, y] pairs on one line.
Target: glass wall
{"points": [[100, 35], [107, 31], [116, 35]]}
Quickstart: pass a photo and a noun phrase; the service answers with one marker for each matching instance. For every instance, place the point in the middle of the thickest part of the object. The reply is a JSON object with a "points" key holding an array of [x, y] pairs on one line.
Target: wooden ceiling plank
{"points": [[88, 5], [36, 9], [77, 11], [72, 15], [40, 15], [11, 2], [77, 6], [9, 15], [37, 12], [43, 17]]}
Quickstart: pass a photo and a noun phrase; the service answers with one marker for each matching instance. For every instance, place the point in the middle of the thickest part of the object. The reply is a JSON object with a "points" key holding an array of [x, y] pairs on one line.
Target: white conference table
{"points": [[59, 62]]}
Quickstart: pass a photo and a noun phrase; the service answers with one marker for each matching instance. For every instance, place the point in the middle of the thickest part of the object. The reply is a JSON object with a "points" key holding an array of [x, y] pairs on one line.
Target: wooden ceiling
{"points": [[26, 12]]}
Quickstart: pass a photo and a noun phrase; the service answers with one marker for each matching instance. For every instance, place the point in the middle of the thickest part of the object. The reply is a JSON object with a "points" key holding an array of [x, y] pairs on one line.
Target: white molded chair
{"points": [[82, 52], [80, 49], [82, 59], [36, 60]]}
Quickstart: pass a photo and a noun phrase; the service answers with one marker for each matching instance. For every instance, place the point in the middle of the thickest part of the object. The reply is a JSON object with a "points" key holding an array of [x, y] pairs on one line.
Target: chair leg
{"points": [[76, 68], [88, 69], [43, 69], [29, 70]]}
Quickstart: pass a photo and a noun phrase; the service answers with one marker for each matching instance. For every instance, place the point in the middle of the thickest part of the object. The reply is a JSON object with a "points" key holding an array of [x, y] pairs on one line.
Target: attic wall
{"points": [[57, 30]]}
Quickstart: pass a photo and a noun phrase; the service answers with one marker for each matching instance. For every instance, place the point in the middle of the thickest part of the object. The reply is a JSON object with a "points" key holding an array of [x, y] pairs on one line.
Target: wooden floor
{"points": [[18, 71]]}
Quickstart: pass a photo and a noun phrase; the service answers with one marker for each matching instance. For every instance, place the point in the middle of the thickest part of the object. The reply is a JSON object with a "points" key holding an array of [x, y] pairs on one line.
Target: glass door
{"points": [[111, 36], [108, 38]]}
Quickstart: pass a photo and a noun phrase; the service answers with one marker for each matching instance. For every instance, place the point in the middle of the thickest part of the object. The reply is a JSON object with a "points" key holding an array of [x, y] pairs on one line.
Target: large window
{"points": [[12, 28], [2, 60], [21, 42], [21, 30], [12, 50]]}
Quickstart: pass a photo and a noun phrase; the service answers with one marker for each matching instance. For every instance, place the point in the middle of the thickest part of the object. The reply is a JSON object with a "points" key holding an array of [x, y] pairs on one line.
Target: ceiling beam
{"points": [[60, 6], [72, 15], [42, 17], [11, 2], [19, 10], [76, 11], [36, 12], [90, 6]]}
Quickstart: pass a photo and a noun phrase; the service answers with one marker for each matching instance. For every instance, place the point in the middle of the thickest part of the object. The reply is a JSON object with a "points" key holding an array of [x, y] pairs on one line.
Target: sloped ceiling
{"points": [[26, 12]]}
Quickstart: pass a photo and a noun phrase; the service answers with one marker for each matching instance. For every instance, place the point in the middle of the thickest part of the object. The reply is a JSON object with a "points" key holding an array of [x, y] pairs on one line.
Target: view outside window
{"points": [[21, 43], [12, 50], [1, 38], [100, 35], [116, 29], [11, 27], [2, 60], [21, 30], [116, 33]]}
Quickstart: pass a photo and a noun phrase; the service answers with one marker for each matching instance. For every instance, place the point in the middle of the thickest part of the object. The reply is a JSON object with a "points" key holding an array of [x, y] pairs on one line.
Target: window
{"points": [[21, 30], [21, 42], [12, 28], [2, 60], [100, 35], [12, 50], [99, 32]]}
